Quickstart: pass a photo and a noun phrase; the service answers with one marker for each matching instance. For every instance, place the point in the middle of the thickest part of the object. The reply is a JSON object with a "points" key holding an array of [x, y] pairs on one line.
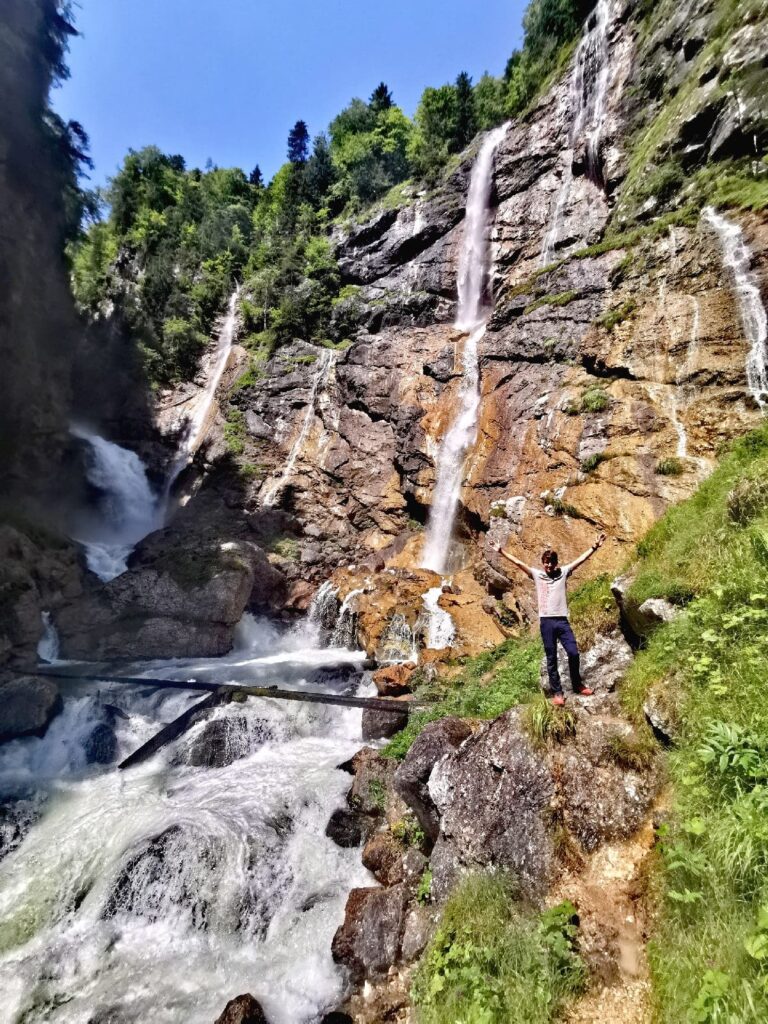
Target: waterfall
{"points": [[440, 630], [48, 645], [273, 489], [344, 633], [128, 508], [474, 306], [587, 93], [738, 260], [198, 412], [159, 893]]}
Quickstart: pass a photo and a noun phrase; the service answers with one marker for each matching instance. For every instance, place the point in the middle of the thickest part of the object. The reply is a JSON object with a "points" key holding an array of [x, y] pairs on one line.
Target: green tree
{"points": [[298, 143], [319, 174], [466, 123], [489, 94], [381, 98], [256, 178], [430, 144]]}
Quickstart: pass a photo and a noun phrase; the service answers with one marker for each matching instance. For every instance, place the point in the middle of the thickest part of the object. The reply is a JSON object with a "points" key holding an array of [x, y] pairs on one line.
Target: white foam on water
{"points": [[738, 260], [161, 892], [440, 629], [48, 645]]}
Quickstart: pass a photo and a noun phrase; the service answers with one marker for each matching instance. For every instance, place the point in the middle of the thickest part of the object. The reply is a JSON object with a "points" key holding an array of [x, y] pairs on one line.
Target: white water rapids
{"points": [[474, 306], [738, 260], [159, 893]]}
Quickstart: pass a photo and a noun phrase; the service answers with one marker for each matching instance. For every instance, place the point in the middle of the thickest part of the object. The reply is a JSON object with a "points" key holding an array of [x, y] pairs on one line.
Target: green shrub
{"points": [[285, 547], [593, 461], [669, 467], [494, 961], [560, 299], [234, 431], [594, 399]]}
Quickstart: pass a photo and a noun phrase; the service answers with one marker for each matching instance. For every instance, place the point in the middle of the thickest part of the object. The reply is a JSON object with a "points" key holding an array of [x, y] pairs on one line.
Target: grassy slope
{"points": [[709, 954]]}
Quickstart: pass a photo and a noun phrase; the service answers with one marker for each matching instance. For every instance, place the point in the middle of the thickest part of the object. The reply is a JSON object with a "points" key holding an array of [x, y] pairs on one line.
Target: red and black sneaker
{"points": [[558, 700], [585, 691]]}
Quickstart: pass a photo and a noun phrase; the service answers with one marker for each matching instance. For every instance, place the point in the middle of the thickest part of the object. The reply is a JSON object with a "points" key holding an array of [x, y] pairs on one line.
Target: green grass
{"points": [[618, 314], [560, 299], [494, 961], [485, 687], [546, 724], [591, 463], [234, 431], [594, 399], [709, 954]]}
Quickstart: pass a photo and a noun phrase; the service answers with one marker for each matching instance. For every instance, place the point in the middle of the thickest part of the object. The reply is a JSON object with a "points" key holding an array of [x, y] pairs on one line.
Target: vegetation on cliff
{"points": [[175, 239]]}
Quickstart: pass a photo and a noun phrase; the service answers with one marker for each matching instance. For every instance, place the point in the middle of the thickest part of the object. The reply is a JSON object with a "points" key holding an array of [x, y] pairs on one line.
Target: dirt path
{"points": [[608, 894]]}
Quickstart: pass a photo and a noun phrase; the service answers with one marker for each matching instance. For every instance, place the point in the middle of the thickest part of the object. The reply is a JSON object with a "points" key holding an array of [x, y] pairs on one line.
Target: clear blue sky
{"points": [[226, 79]]}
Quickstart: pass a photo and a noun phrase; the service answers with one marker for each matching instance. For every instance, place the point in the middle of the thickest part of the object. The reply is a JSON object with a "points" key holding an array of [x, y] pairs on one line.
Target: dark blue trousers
{"points": [[554, 628]]}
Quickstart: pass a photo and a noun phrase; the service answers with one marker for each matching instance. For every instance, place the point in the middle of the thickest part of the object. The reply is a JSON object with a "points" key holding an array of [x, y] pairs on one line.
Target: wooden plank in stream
{"points": [[305, 696], [173, 730]]}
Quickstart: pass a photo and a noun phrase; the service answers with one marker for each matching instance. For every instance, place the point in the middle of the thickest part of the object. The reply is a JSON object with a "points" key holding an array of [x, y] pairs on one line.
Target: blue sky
{"points": [[226, 79]]}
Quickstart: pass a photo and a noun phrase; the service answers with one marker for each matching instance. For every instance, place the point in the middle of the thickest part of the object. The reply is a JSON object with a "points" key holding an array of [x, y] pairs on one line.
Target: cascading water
{"points": [[158, 893], [440, 630], [738, 260], [48, 646], [474, 306], [587, 92], [128, 508], [273, 489], [198, 412]]}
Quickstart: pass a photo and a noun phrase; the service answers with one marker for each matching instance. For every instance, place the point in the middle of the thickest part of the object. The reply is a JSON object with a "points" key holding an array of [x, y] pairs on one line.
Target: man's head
{"points": [[549, 560]]}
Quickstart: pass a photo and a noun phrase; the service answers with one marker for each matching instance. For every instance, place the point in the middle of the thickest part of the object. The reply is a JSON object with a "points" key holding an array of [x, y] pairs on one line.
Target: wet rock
{"points": [[16, 819], [225, 740], [383, 857], [412, 776], [382, 724], [394, 680], [368, 942], [243, 1010], [337, 1017], [492, 795], [373, 780], [344, 828], [100, 745], [27, 706]]}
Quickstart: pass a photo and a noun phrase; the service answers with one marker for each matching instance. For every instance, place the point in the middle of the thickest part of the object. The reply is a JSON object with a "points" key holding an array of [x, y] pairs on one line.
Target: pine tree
{"points": [[381, 98], [255, 177], [319, 173], [466, 122], [298, 143]]}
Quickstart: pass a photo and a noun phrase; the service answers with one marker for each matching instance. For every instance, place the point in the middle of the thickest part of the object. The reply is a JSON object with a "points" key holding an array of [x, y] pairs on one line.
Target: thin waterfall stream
{"points": [[474, 275]]}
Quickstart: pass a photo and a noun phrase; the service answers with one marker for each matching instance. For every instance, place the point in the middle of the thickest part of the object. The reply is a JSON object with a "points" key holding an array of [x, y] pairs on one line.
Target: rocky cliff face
{"points": [[612, 369]]}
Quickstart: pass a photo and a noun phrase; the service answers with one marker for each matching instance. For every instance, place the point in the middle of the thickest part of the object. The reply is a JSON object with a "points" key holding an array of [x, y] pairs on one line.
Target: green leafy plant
{"points": [[424, 888]]}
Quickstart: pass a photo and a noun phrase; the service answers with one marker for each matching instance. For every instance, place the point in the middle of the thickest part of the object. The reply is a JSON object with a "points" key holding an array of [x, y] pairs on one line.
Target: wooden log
{"points": [[173, 730]]}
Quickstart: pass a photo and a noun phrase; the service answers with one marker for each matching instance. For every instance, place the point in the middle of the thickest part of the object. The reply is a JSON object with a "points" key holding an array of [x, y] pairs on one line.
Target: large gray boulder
{"points": [[185, 603], [412, 776], [27, 706], [243, 1010]]}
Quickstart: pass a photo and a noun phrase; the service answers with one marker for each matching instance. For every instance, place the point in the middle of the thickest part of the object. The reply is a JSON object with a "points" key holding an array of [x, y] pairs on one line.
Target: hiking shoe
{"points": [[558, 700], [584, 692]]}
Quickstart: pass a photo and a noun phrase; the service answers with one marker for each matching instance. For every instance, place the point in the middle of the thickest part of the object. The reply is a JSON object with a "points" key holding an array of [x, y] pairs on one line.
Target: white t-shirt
{"points": [[550, 593]]}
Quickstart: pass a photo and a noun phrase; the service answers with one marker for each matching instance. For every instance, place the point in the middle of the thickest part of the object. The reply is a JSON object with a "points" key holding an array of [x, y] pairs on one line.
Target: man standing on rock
{"points": [[553, 615]]}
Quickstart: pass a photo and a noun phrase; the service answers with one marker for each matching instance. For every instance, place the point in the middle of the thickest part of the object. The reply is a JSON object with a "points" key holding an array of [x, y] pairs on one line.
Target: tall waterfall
{"points": [[474, 306], [128, 509], [273, 489], [738, 260], [587, 92], [199, 411], [159, 893]]}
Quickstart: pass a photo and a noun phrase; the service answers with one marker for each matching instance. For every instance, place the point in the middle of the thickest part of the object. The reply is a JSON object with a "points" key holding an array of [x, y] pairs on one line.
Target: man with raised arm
{"points": [[553, 614]]}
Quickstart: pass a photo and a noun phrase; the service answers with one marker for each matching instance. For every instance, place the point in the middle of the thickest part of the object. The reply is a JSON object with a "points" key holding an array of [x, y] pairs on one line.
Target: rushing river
{"points": [[158, 893]]}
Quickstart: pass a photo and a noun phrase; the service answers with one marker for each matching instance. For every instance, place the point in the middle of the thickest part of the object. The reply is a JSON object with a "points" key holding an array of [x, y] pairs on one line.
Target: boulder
{"points": [[100, 745], [602, 666], [27, 706], [372, 783], [182, 603], [344, 828], [382, 724], [368, 942], [492, 795], [383, 857], [394, 680], [243, 1010], [412, 775], [639, 620], [657, 611], [225, 740], [420, 924]]}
